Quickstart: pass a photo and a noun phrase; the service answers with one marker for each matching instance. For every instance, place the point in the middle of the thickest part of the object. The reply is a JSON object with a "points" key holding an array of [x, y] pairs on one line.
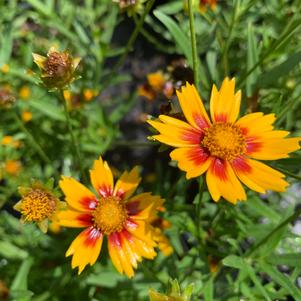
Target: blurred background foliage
{"points": [[251, 251]]}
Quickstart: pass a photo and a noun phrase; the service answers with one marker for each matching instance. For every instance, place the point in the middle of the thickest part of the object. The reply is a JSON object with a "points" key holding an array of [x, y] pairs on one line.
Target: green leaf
{"points": [[8, 250], [181, 39], [282, 280], [48, 109], [252, 59], [270, 77], [208, 290], [291, 259]]}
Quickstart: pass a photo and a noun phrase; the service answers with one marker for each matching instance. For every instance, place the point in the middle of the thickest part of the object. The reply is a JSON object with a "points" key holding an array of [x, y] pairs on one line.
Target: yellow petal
{"points": [[127, 183], [74, 219], [102, 178], [193, 107], [225, 104], [77, 195]]}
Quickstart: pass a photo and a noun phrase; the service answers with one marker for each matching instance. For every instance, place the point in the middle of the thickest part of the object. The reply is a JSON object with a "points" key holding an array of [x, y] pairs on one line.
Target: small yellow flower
{"points": [[39, 205], [12, 167], [24, 92], [10, 141], [174, 293], [147, 92], [88, 94], [26, 116], [113, 213], [156, 80], [205, 3], [213, 263], [130, 6], [5, 68], [225, 147], [57, 69]]}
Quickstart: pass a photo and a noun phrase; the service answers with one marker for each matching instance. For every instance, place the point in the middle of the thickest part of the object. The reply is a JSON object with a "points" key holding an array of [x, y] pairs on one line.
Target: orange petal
{"points": [[222, 182], [258, 176], [85, 248], [225, 104], [102, 178], [77, 195], [193, 107], [195, 161], [74, 219], [127, 183]]}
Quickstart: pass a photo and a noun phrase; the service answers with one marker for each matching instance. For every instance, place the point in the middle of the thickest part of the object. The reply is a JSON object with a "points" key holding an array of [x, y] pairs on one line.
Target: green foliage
{"points": [[254, 244]]}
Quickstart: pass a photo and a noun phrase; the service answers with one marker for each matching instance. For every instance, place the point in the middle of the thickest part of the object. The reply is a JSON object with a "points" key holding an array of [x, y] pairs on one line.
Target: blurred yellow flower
{"points": [[26, 116], [24, 92], [5, 68], [205, 3], [10, 141], [39, 205], [156, 80], [88, 94], [57, 69], [7, 99], [12, 167], [225, 147], [113, 213]]}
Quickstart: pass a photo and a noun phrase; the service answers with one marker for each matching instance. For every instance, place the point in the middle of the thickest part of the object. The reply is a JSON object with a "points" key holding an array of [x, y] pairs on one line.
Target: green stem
{"points": [[195, 58], [288, 173], [130, 43], [76, 150], [267, 237], [31, 139]]}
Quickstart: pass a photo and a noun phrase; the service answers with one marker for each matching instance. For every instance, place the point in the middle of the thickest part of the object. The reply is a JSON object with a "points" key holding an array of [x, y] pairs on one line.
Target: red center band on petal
{"points": [[120, 193], [218, 168], [105, 191], [130, 224], [200, 121], [221, 117], [253, 146], [89, 202], [198, 155], [114, 239], [85, 219], [193, 137], [91, 236], [241, 164], [133, 207]]}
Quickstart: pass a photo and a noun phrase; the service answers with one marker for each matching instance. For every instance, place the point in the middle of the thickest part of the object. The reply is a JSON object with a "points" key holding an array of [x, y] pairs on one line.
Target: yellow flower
{"points": [[5, 68], [10, 141], [174, 293], [26, 116], [88, 94], [224, 147], [124, 219], [147, 92], [213, 263], [58, 68], [156, 80], [12, 167], [24, 92], [39, 205]]}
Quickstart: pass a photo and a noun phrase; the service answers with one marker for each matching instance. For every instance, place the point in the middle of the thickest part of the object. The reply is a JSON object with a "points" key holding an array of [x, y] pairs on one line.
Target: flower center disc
{"points": [[110, 215], [224, 140], [37, 205]]}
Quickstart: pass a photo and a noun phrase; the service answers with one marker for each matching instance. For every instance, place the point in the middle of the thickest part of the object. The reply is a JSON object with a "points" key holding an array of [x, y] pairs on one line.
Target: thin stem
{"points": [[288, 173], [32, 140], [195, 58], [130, 43], [267, 237], [76, 150]]}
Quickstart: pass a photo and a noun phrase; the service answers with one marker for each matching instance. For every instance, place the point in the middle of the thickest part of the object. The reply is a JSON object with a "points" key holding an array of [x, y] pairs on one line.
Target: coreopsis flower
{"points": [[12, 167], [38, 205], [224, 148], [24, 92], [205, 3], [26, 116], [174, 293], [113, 213], [57, 69]]}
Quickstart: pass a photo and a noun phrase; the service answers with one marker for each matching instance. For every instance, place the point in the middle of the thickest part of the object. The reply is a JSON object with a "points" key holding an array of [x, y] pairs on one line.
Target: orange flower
{"points": [[5, 68], [12, 167], [224, 147], [156, 80], [10, 141], [114, 213], [24, 92], [204, 3]]}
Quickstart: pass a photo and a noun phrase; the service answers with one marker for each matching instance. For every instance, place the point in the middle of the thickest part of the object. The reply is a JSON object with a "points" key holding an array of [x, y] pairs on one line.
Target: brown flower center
{"points": [[58, 64], [37, 205], [224, 140], [110, 215]]}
